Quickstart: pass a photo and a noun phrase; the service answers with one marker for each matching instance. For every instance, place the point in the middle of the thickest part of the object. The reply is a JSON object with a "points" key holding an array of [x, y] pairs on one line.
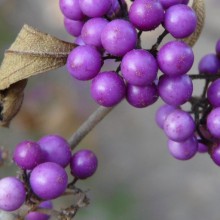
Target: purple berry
{"points": [[213, 122], [183, 150], [84, 62], [115, 10], [48, 180], [108, 89], [73, 27], [95, 8], [71, 9], [38, 215], [118, 37], [217, 48], [168, 3], [12, 194], [179, 125], [202, 148], [83, 164], [139, 67], [180, 20], [209, 64], [162, 113], [142, 96], [146, 15], [56, 149], [28, 155], [175, 58], [185, 2], [91, 31], [215, 154], [213, 93], [175, 90]]}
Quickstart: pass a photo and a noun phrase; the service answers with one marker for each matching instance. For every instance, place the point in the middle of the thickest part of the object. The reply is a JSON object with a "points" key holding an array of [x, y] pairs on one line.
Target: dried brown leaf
{"points": [[33, 52]]}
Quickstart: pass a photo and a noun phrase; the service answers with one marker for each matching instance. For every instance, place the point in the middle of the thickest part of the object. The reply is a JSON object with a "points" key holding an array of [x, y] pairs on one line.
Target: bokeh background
{"points": [[136, 178]]}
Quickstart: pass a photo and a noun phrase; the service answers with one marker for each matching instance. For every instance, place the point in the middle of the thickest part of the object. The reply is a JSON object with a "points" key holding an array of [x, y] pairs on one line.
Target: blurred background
{"points": [[136, 178]]}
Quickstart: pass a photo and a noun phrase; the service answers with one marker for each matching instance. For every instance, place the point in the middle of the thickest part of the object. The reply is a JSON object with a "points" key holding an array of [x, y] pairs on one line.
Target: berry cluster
{"points": [[108, 30], [188, 135], [43, 163]]}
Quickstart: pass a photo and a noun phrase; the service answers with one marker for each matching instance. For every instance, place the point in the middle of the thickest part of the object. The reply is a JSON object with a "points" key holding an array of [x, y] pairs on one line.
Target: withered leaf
{"points": [[10, 101], [33, 52]]}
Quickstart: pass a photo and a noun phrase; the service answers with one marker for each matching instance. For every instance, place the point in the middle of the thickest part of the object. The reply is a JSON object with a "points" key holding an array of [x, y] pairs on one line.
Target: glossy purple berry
{"points": [[202, 148], [73, 27], [139, 67], [179, 125], [213, 122], [95, 8], [108, 89], [141, 96], [38, 215], [91, 31], [12, 194], [28, 155], [79, 41], [180, 20], [175, 58], [183, 150], [48, 180], [71, 9], [83, 164], [146, 15], [84, 62], [175, 90], [215, 154], [56, 149], [213, 93], [162, 113], [118, 37], [209, 64]]}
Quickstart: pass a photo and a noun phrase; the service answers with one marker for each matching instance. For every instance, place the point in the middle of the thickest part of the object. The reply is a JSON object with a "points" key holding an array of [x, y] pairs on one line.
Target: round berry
{"points": [[175, 90], [95, 8], [12, 194], [83, 164], [91, 31], [146, 15], [215, 155], [213, 122], [38, 215], [48, 180], [141, 96], [73, 27], [162, 113], [71, 9], [28, 155], [213, 93], [209, 64], [139, 67], [202, 148], [56, 149], [180, 20], [118, 37], [175, 58], [108, 89], [179, 125], [183, 150], [84, 62]]}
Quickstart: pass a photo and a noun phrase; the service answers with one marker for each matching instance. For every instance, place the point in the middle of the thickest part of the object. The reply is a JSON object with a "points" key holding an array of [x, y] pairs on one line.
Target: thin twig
{"points": [[88, 125], [159, 40], [210, 77]]}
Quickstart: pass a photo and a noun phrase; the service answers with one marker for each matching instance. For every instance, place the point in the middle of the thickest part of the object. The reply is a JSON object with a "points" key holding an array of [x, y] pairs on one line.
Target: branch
{"points": [[88, 125]]}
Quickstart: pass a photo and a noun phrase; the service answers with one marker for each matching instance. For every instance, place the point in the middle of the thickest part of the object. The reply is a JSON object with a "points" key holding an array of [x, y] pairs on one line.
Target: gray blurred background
{"points": [[136, 178]]}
